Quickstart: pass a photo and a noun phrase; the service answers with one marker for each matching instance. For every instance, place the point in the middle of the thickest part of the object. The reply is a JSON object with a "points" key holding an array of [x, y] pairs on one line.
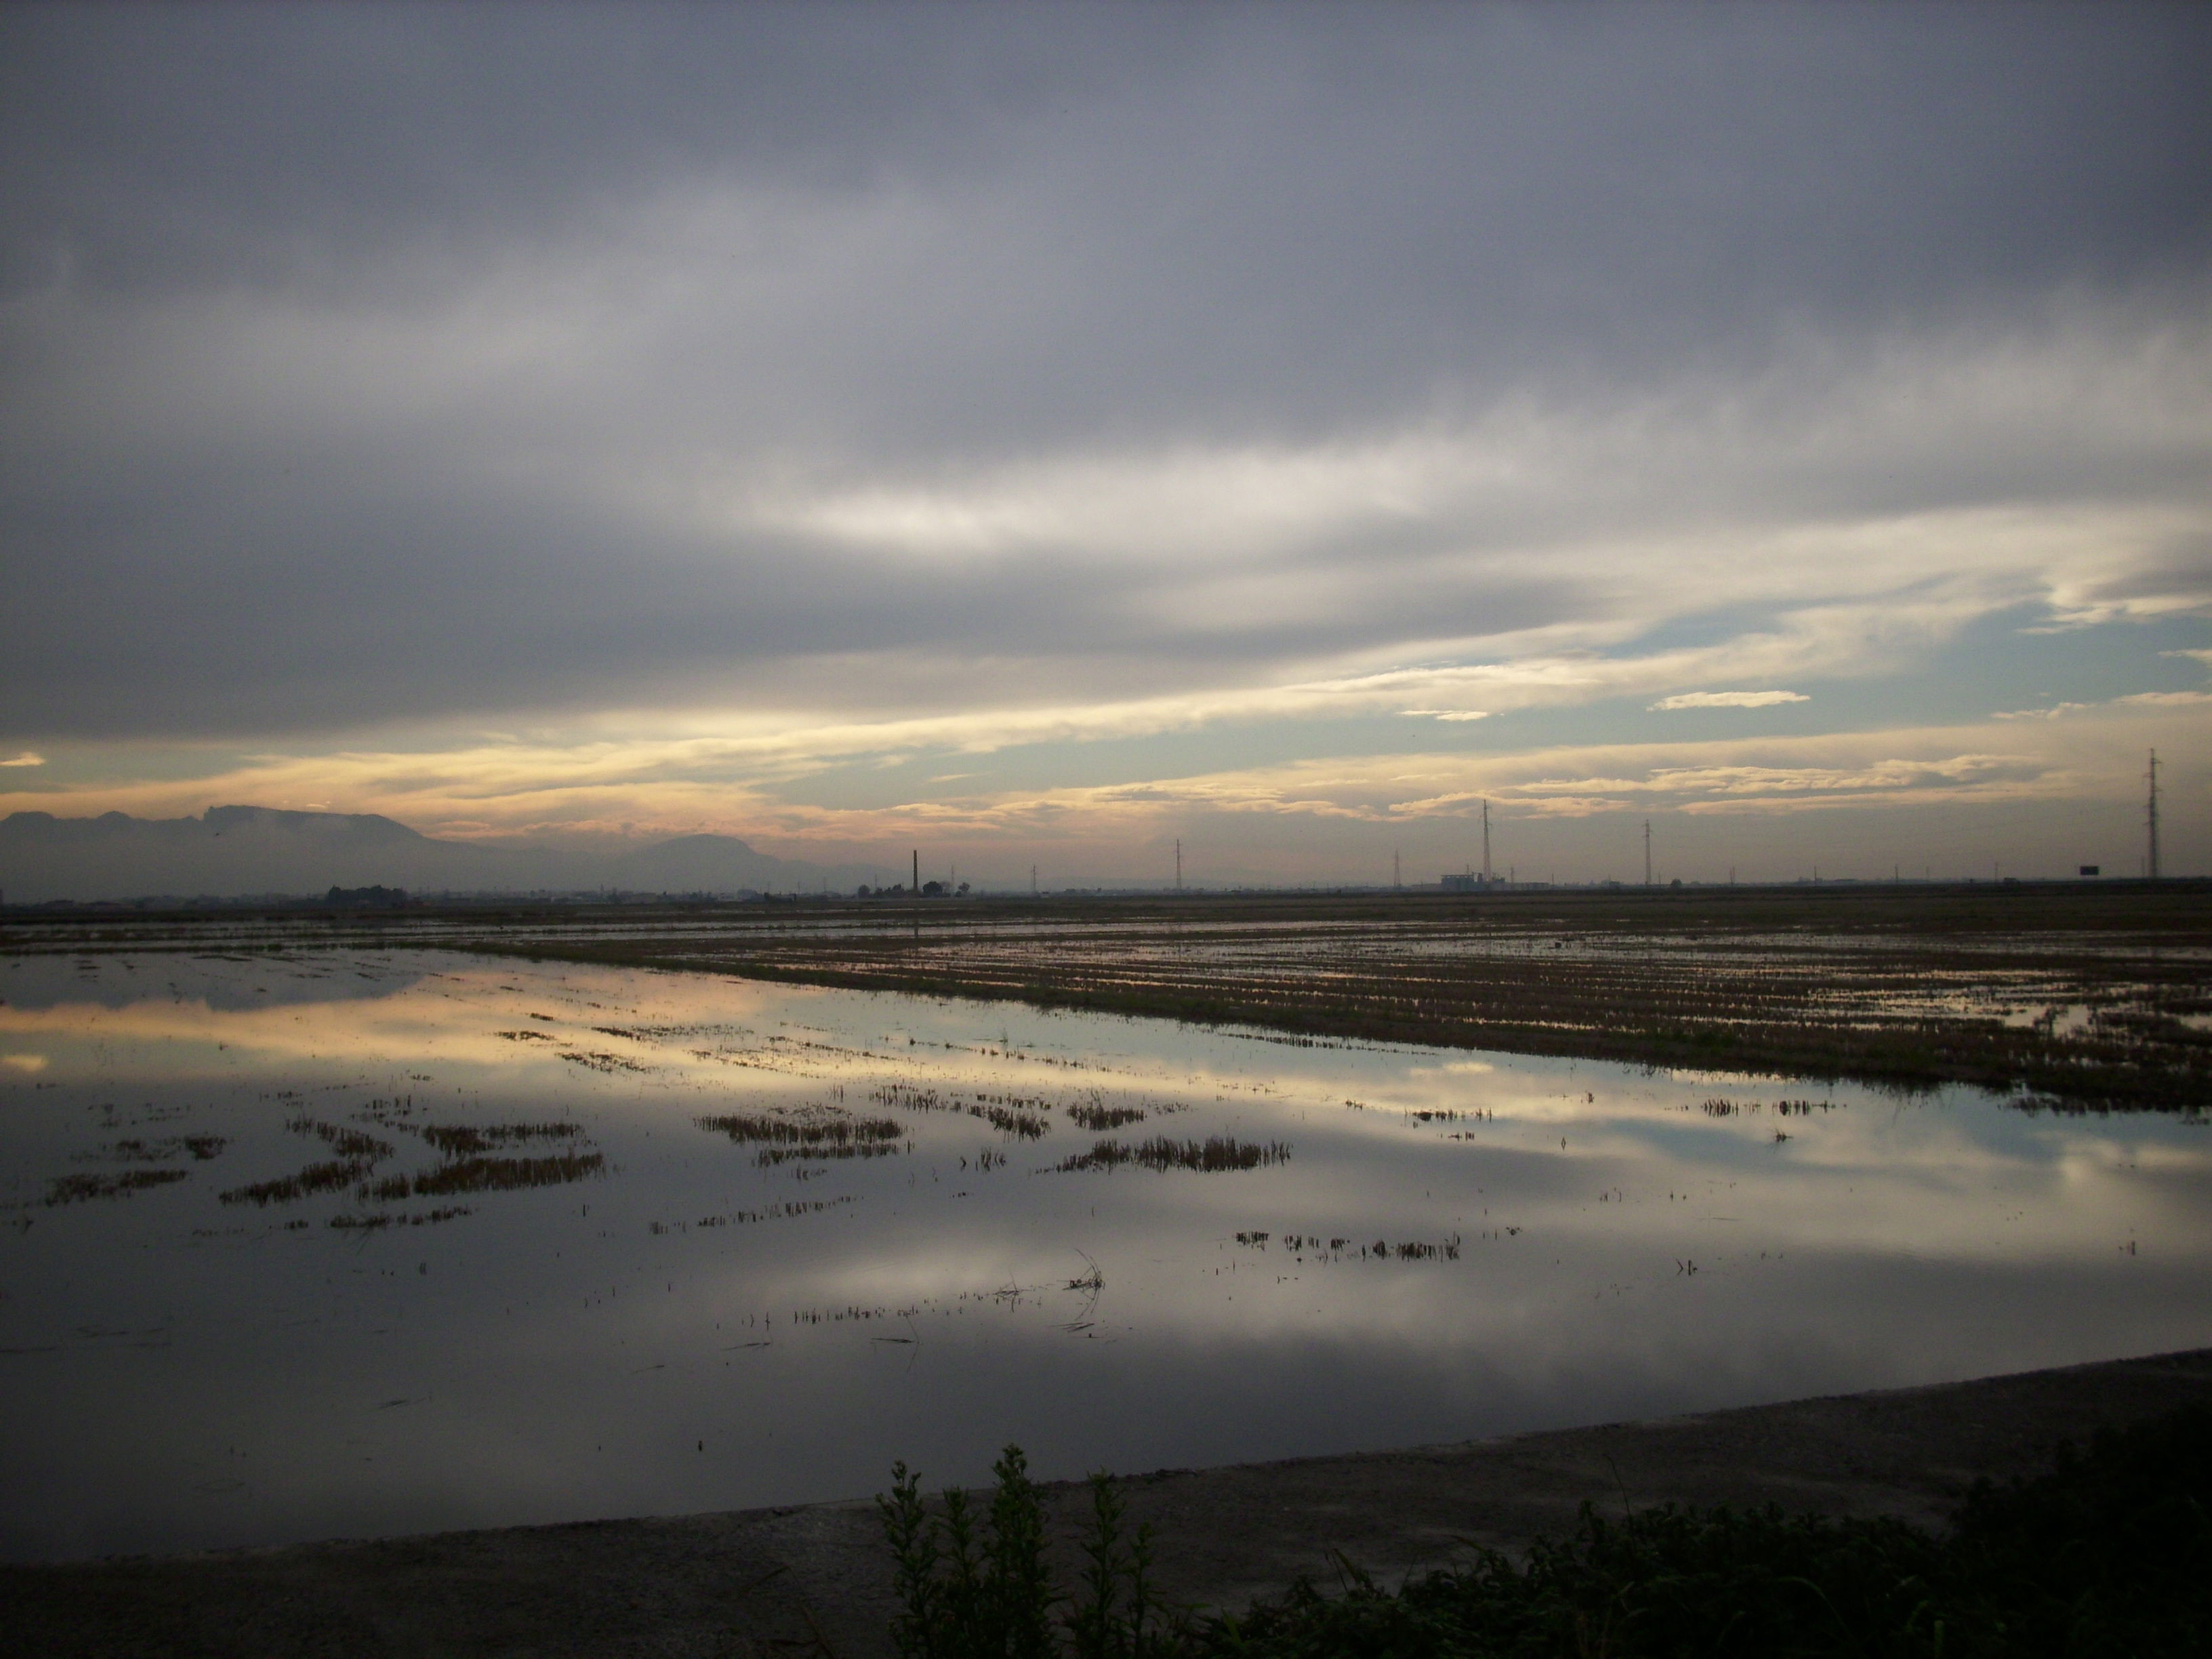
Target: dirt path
{"points": [[806, 1579]]}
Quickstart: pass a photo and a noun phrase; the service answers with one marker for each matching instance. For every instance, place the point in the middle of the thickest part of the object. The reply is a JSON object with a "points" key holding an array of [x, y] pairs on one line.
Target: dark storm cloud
{"points": [[457, 599], [367, 364], [1586, 165]]}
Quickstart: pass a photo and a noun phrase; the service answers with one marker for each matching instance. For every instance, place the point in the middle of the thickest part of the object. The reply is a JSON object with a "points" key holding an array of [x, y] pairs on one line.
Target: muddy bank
{"points": [[818, 1577]]}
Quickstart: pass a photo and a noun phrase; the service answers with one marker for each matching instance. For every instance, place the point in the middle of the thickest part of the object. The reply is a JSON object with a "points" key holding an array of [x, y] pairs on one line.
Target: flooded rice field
{"points": [[352, 1241], [2086, 996]]}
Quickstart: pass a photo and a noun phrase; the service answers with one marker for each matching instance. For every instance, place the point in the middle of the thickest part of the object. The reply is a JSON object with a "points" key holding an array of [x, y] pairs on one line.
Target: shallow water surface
{"points": [[352, 1244]]}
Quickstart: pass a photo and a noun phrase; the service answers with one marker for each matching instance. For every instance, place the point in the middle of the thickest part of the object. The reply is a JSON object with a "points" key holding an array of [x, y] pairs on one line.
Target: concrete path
{"points": [[809, 1579]]}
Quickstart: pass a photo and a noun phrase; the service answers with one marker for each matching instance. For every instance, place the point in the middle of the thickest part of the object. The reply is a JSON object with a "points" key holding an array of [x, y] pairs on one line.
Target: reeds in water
{"points": [[778, 1211], [377, 1223], [1381, 1251], [1213, 1155], [820, 1126], [461, 1140], [1012, 1121], [597, 1060], [813, 1132], [201, 1147], [78, 1189], [328, 1177], [488, 1174], [346, 1143], [768, 1157], [1099, 1119], [912, 1096]]}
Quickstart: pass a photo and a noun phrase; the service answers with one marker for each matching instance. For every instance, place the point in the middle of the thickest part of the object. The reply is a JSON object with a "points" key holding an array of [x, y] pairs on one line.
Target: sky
{"points": [[1039, 434]]}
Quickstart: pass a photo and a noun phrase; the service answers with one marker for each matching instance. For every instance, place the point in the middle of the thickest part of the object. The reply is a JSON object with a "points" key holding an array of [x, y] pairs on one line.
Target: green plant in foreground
{"points": [[2109, 1554], [1667, 1581], [1112, 1559], [966, 1595]]}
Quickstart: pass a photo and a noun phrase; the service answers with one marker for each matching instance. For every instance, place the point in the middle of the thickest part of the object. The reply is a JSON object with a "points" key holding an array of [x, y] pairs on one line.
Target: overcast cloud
{"points": [[737, 411]]}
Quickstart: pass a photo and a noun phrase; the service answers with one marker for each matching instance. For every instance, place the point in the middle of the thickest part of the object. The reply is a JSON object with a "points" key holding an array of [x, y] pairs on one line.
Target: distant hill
{"points": [[238, 851]]}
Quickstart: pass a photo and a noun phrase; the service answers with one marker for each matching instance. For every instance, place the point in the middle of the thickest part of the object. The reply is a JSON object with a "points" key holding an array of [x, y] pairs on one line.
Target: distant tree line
{"points": [[366, 898]]}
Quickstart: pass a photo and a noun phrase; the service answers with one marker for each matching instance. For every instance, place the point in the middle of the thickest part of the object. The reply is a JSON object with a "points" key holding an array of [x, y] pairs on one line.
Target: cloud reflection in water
{"points": [[1452, 1248]]}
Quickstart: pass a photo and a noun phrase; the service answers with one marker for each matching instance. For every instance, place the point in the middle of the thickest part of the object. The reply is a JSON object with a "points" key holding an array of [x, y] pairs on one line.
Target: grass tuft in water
{"points": [[488, 1174], [346, 1143], [1099, 1119], [768, 1157], [201, 1148], [377, 1223], [817, 1132], [817, 1128], [78, 1188], [1012, 1121], [1211, 1156], [460, 1140], [287, 1189]]}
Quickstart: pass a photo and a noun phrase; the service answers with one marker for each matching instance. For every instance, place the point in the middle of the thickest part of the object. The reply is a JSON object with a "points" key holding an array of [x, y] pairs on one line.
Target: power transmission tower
{"points": [[2151, 815], [1178, 864], [1397, 875], [1485, 845], [1647, 852]]}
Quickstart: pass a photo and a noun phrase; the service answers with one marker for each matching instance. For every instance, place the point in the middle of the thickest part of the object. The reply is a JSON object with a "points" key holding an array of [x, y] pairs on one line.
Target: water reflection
{"points": [[226, 980], [467, 1243]]}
